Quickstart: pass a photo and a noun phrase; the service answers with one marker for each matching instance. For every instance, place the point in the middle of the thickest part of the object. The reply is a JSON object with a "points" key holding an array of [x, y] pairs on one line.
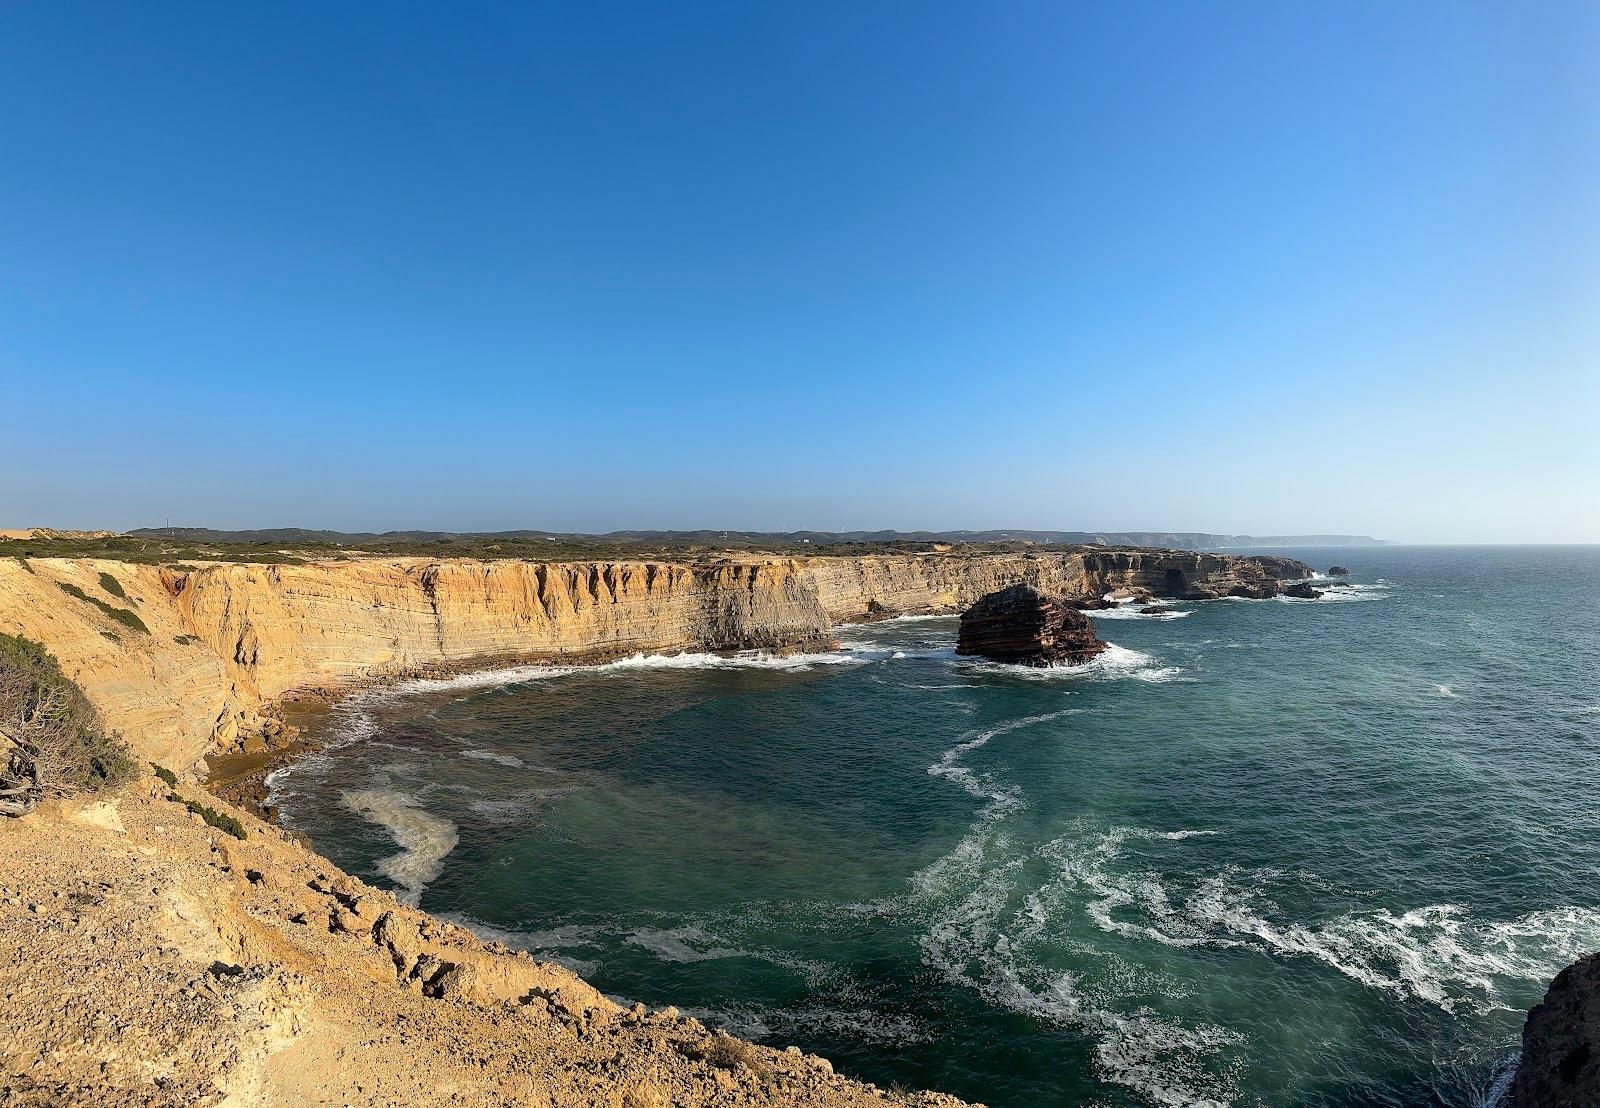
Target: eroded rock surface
{"points": [[1560, 1065], [1023, 626]]}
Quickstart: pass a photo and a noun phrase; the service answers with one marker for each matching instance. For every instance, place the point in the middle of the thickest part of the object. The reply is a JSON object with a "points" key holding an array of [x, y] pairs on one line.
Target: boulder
{"points": [[1154, 610], [1338, 571], [1259, 590], [1560, 1066], [1303, 590], [1023, 626]]}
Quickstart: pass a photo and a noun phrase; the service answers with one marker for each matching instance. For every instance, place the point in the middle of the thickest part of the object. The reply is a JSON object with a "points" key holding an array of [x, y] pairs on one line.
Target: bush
{"points": [[52, 742], [167, 777], [123, 616], [726, 1052], [220, 820], [112, 585]]}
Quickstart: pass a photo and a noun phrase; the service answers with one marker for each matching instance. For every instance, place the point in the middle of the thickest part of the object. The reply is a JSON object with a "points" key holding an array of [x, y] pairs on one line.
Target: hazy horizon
{"points": [[1239, 269]]}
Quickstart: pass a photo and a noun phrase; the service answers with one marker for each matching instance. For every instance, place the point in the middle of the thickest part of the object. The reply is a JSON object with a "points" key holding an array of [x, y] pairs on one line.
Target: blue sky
{"points": [[1234, 267]]}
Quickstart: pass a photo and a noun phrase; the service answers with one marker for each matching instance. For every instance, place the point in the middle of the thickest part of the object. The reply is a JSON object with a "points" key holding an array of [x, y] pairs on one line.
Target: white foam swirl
{"points": [[424, 839]]}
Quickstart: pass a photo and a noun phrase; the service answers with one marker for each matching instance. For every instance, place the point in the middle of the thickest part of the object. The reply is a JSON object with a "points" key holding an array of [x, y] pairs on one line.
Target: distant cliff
{"points": [[180, 658]]}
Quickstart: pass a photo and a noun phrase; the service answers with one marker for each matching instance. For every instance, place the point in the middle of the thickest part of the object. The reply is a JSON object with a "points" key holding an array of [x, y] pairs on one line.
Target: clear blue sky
{"points": [[1269, 267]]}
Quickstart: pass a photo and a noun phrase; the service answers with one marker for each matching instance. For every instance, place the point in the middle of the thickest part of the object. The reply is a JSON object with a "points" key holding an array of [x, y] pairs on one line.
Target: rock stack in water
{"points": [[1023, 626]]}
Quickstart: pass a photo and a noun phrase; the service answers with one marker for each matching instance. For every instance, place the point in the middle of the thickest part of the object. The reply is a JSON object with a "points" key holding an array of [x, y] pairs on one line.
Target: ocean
{"points": [[1281, 852]]}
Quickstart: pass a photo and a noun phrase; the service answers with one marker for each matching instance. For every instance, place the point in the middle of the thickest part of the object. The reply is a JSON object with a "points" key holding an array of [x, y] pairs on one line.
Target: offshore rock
{"points": [[1023, 626], [1560, 1066], [1338, 571], [1302, 590]]}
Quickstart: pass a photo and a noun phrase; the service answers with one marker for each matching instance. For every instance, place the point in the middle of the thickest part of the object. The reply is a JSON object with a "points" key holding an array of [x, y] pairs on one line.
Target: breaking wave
{"points": [[985, 927], [494, 756], [1115, 664], [1129, 612]]}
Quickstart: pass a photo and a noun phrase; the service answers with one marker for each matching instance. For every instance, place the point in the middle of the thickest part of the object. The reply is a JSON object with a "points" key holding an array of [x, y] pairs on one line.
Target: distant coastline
{"points": [[1169, 540]]}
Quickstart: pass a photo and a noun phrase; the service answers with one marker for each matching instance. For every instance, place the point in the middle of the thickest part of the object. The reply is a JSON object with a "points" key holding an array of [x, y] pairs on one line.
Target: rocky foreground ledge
{"points": [[151, 959]]}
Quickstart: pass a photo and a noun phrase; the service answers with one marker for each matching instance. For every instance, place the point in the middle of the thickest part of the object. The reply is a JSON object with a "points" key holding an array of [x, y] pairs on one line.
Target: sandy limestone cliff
{"points": [[221, 642]]}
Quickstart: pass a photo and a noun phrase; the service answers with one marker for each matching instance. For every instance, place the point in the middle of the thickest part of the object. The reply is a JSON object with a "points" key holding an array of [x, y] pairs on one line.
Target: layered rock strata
{"points": [[182, 659], [1023, 626]]}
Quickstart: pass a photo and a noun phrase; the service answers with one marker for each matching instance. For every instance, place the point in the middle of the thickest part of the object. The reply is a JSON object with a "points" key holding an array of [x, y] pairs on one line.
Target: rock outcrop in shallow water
{"points": [[200, 653], [1560, 1066], [1302, 590], [1023, 626]]}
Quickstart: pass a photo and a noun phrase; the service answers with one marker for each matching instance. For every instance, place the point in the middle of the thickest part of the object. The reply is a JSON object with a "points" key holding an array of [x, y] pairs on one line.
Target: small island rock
{"points": [[1023, 626], [1338, 571], [1303, 590]]}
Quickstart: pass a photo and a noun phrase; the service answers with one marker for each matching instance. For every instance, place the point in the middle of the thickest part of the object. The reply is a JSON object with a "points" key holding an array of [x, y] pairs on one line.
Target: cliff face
{"points": [[180, 660]]}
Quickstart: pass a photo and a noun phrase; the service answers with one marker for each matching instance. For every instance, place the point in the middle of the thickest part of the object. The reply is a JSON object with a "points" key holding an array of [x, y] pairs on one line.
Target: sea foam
{"points": [[424, 839]]}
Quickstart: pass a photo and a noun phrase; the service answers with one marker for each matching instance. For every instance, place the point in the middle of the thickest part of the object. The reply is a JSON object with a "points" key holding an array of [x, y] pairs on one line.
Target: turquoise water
{"points": [[1265, 852]]}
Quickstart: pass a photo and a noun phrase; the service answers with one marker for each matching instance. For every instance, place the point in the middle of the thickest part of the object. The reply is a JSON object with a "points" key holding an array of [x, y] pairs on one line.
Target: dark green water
{"points": [[1268, 853]]}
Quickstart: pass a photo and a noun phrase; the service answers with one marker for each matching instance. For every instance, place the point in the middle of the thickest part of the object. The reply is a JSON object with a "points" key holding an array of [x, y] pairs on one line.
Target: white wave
{"points": [[516, 809], [1437, 954], [1114, 664], [982, 786], [682, 944], [1446, 690], [689, 660], [424, 839], [977, 939], [1137, 613], [493, 756]]}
